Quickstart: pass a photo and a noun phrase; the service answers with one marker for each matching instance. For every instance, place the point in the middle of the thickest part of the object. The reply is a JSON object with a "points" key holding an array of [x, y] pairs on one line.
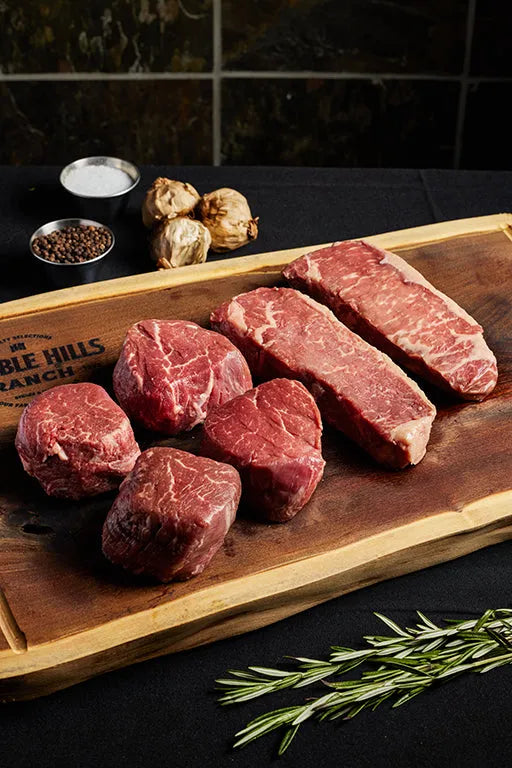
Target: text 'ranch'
{"points": [[28, 369]]}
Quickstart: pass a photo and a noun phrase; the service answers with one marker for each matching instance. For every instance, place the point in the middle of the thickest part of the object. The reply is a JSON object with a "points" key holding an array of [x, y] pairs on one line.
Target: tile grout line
{"points": [[124, 76], [464, 85], [341, 75], [374, 76], [245, 75], [216, 84]]}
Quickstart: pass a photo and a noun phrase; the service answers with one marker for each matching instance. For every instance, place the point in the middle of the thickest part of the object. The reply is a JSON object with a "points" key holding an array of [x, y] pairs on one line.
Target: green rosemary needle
{"points": [[401, 666]]}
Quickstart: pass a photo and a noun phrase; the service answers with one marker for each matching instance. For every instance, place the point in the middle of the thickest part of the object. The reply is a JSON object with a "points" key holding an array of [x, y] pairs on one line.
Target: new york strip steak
{"points": [[391, 305], [358, 389]]}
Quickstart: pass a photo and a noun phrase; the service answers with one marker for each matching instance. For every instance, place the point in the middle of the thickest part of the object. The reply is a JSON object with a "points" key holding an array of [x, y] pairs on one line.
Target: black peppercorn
{"points": [[73, 245]]}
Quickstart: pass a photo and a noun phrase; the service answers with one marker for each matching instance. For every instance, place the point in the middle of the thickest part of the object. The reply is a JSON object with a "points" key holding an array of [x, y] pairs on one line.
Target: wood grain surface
{"points": [[66, 614]]}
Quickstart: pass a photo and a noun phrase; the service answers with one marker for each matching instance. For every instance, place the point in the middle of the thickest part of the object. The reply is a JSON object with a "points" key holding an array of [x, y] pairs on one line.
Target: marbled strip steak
{"points": [[391, 305], [358, 389]]}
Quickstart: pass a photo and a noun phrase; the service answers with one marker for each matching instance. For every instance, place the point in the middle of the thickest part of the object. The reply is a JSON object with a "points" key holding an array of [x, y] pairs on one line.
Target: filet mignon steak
{"points": [[358, 389], [76, 441], [172, 514], [272, 435], [171, 372], [391, 305]]}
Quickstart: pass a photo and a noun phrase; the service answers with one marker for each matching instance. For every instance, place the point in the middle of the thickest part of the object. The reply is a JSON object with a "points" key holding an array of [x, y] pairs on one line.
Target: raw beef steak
{"points": [[272, 435], [391, 305], [359, 390], [76, 441], [171, 372], [171, 515]]}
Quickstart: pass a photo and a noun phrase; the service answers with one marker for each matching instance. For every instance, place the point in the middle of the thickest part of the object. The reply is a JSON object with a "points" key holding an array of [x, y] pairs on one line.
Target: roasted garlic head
{"points": [[167, 198], [226, 214], [179, 241]]}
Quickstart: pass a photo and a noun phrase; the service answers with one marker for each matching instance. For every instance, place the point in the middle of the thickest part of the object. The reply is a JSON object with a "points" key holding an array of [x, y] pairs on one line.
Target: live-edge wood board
{"points": [[67, 615]]}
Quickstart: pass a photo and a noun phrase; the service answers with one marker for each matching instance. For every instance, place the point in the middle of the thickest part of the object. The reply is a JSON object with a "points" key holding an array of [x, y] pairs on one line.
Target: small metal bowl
{"points": [[106, 207], [62, 275]]}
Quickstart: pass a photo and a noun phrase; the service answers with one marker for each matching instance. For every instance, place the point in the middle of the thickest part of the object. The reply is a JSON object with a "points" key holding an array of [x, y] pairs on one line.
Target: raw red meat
{"points": [[171, 515], [272, 435], [76, 441], [358, 389], [391, 305], [171, 372]]}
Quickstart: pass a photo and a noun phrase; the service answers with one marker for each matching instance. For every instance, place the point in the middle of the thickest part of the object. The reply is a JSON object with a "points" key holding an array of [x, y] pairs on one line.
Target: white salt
{"points": [[97, 180]]}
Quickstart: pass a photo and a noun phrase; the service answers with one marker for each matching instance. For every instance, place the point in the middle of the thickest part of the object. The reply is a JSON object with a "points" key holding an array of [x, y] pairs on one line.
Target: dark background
{"points": [[369, 83]]}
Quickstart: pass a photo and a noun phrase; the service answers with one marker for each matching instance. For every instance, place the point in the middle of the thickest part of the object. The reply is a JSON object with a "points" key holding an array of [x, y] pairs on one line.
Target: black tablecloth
{"points": [[163, 712]]}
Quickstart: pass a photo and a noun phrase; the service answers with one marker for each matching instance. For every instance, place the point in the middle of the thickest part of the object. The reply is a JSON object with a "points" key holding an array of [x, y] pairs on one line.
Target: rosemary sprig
{"points": [[401, 666]]}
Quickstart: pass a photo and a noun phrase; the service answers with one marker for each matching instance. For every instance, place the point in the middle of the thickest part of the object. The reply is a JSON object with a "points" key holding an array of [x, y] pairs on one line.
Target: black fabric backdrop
{"points": [[163, 712]]}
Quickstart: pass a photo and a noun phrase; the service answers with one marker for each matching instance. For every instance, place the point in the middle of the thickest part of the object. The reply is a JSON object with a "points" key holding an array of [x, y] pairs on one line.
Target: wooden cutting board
{"points": [[66, 615]]}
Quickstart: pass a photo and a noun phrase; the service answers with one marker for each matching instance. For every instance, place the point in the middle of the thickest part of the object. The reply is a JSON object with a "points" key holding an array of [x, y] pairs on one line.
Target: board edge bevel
{"points": [[482, 514]]}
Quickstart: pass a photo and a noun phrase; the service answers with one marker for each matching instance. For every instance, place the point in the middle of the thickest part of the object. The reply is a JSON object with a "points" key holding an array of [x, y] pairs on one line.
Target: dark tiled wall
{"points": [[148, 121], [420, 83], [346, 35], [106, 36]]}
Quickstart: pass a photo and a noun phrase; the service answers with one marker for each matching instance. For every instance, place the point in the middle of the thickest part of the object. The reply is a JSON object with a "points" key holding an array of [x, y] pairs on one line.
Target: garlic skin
{"points": [[226, 214], [179, 241], [168, 198]]}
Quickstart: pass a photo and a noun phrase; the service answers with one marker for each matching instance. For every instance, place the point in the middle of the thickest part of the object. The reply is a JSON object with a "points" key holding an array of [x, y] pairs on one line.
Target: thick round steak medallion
{"points": [[272, 435], [76, 441], [172, 514], [171, 372]]}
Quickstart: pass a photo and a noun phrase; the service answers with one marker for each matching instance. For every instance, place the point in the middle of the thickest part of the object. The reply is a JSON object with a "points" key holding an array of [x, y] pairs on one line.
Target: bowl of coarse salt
{"points": [[100, 186]]}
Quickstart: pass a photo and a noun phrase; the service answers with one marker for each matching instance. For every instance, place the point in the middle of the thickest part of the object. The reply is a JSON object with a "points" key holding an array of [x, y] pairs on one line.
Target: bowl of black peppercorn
{"points": [[71, 251]]}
